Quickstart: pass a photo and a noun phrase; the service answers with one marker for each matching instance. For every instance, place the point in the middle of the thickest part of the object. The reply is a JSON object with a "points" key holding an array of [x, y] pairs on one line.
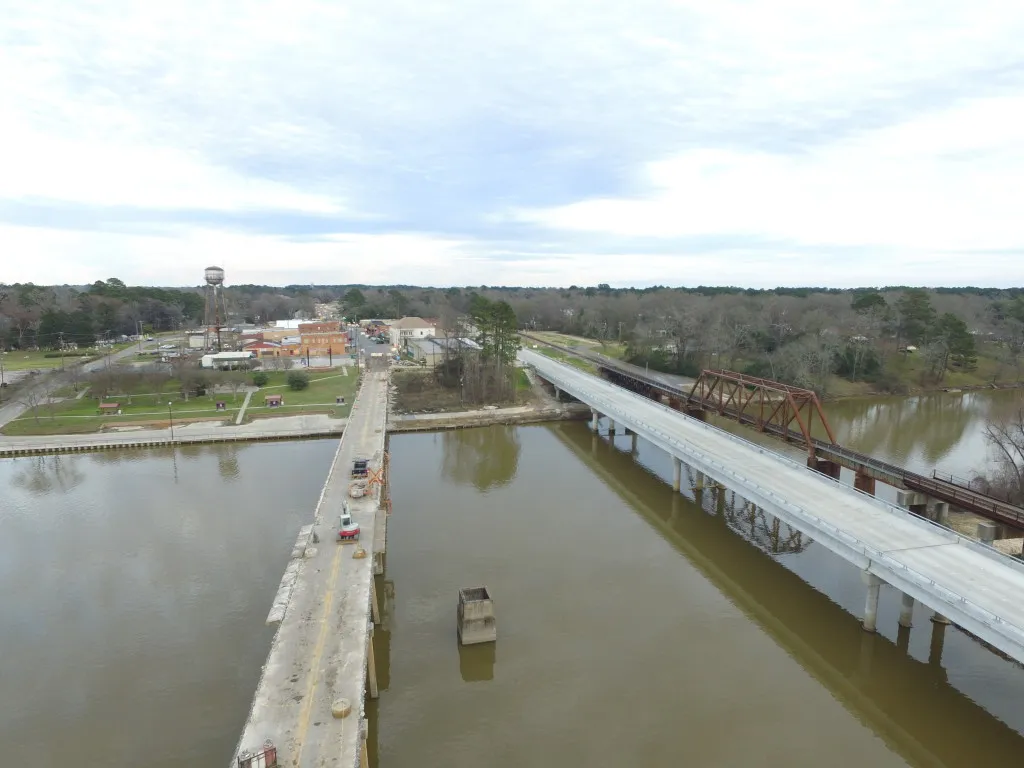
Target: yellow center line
{"points": [[314, 669]]}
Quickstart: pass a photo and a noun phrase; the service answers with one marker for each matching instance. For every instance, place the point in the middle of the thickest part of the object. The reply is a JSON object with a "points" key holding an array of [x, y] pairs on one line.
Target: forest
{"points": [[834, 341]]}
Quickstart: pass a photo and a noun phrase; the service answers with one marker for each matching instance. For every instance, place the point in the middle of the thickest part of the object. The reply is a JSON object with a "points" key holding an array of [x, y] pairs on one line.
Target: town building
{"points": [[431, 351], [226, 360], [322, 338], [409, 329]]}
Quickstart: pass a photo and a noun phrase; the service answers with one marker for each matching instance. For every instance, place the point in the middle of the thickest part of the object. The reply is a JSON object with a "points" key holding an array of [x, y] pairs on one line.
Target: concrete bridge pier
{"points": [[374, 604], [677, 474], [633, 443], [864, 483], [873, 584], [914, 501], [594, 416], [698, 481], [940, 513], [937, 641], [611, 427], [824, 466], [371, 667], [903, 639], [558, 394], [907, 611]]}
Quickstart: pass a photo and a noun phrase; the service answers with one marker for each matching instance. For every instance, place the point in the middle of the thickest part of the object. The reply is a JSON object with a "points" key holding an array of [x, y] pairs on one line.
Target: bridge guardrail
{"points": [[972, 499], [981, 614]]}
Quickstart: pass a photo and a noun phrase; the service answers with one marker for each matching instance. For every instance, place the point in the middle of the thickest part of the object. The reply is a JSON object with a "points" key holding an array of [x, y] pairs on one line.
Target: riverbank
{"points": [[308, 426]]}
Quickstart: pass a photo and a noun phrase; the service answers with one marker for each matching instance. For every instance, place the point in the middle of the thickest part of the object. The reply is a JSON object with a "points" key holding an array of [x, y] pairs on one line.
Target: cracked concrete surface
{"points": [[319, 653]]}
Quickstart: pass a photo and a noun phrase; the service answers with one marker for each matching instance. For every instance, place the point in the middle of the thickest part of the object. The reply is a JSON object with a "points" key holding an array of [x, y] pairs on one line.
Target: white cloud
{"points": [[943, 182], [885, 127]]}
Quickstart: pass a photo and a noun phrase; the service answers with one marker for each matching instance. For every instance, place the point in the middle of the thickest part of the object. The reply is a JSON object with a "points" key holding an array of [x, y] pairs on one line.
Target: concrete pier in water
{"points": [[309, 702]]}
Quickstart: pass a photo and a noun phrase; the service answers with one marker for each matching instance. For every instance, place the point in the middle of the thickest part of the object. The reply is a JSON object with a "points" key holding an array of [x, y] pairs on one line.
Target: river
{"points": [[634, 627]]}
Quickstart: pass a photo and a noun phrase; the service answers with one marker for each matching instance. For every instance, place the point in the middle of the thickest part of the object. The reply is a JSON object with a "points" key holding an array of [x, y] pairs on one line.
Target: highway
{"points": [[975, 586]]}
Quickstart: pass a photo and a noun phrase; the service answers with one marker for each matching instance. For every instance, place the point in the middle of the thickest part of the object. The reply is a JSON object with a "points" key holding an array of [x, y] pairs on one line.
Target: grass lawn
{"points": [[561, 356], [16, 360], [80, 416], [318, 397]]}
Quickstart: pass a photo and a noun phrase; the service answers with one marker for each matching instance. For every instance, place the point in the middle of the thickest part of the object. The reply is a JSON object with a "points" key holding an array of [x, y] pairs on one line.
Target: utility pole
{"points": [[138, 327], [60, 340]]}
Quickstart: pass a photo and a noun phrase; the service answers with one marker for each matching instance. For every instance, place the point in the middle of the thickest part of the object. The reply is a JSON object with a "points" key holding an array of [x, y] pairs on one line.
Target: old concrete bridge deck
{"points": [[322, 653], [975, 586]]}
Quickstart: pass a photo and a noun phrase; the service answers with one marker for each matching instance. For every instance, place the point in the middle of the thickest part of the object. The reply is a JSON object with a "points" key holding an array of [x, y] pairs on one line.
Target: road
{"points": [[50, 382], [975, 586]]}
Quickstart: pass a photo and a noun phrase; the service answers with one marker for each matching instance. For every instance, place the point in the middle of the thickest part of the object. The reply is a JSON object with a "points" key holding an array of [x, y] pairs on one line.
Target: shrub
{"points": [[260, 378], [297, 380]]}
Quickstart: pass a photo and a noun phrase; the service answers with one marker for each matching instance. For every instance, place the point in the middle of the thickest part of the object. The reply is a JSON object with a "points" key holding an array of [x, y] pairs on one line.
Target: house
{"points": [[408, 329], [431, 351], [322, 338]]}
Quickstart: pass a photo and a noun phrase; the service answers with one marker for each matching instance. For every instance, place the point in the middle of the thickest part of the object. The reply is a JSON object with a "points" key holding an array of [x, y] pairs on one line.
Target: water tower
{"points": [[215, 314]]}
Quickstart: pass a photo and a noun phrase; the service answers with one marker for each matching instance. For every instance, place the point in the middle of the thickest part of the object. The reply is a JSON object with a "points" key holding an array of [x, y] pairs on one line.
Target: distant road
{"points": [[51, 382]]}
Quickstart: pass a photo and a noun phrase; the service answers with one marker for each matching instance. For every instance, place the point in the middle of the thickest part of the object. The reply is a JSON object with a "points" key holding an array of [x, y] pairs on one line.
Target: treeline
{"points": [[48, 317], [801, 335]]}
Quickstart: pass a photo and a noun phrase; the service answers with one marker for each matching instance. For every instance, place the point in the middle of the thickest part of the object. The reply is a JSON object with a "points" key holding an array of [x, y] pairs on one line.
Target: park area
{"points": [[155, 401]]}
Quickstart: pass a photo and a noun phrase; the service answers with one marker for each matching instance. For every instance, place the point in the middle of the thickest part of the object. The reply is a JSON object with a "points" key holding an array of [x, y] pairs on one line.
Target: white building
{"points": [[226, 359], [410, 329]]}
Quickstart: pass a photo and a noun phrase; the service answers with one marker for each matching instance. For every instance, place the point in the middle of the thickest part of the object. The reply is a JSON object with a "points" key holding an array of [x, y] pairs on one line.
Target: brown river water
{"points": [[634, 626]]}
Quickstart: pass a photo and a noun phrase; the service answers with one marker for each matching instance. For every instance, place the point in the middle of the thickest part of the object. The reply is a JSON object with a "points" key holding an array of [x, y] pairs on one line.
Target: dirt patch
{"points": [[417, 391], [156, 423]]}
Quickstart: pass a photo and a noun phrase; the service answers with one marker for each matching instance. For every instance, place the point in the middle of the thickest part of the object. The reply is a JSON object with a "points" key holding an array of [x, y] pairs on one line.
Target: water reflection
{"points": [[926, 431], [910, 703], [133, 608], [476, 662], [483, 458], [42, 475]]}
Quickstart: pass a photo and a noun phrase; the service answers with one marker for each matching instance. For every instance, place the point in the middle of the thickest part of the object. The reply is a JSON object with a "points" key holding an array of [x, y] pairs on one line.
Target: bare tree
{"points": [[32, 399], [1006, 436]]}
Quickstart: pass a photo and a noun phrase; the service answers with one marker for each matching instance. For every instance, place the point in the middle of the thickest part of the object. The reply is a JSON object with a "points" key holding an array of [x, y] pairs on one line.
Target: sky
{"points": [[537, 142]]}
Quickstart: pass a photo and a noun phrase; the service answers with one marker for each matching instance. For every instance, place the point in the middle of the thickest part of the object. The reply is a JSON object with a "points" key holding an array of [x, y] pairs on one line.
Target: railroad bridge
{"points": [[796, 416]]}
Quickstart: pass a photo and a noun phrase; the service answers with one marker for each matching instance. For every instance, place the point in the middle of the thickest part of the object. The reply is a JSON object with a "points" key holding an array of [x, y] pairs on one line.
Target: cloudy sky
{"points": [[536, 142]]}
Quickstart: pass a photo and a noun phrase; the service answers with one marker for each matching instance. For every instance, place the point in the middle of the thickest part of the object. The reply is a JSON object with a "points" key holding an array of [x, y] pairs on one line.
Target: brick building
{"points": [[322, 338]]}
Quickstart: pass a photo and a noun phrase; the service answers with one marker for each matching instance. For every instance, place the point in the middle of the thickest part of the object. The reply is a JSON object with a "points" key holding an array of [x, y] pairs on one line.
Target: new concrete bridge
{"points": [[873, 676], [962, 581]]}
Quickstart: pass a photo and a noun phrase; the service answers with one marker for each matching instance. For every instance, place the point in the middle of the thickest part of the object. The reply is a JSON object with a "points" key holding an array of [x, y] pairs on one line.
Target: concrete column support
{"points": [[987, 533], [611, 427], [632, 445], [914, 501], [371, 667], [558, 394], [938, 618], [940, 513], [864, 483], [873, 584], [907, 611], [594, 416], [374, 604], [698, 481], [938, 640], [903, 639], [677, 473]]}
